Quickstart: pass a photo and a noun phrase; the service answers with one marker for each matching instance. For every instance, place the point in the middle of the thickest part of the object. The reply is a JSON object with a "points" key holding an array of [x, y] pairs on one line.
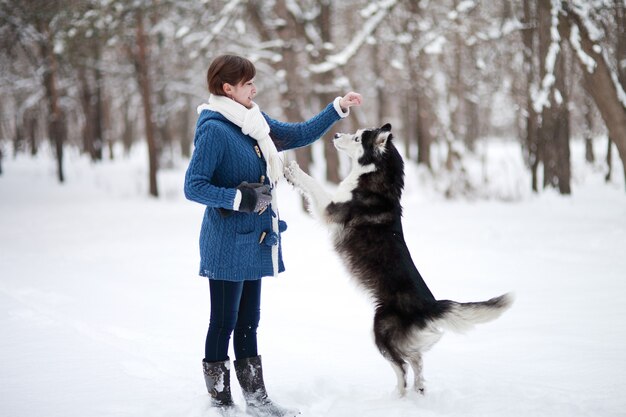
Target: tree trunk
{"points": [[545, 128], [619, 8], [409, 109], [128, 128], [599, 83], [425, 120], [588, 129], [18, 137], [609, 159], [31, 122], [471, 109], [143, 77], [163, 122], [532, 140], [378, 65], [88, 111], [185, 129], [423, 117], [98, 115], [456, 90], [408, 122], [55, 117], [562, 134], [325, 81], [589, 153], [554, 128]]}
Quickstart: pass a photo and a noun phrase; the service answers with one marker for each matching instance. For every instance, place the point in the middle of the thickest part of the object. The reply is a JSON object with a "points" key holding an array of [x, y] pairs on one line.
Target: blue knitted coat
{"points": [[239, 246]]}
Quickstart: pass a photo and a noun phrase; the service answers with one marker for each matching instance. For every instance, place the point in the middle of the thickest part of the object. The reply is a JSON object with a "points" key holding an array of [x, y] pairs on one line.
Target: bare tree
{"points": [[142, 68], [531, 116]]}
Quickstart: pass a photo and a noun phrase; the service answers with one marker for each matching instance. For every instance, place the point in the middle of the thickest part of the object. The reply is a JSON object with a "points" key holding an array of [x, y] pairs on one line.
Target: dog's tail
{"points": [[460, 317]]}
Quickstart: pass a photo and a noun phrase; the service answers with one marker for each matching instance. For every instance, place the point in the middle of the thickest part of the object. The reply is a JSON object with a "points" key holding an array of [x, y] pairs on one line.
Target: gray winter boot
{"points": [[217, 379], [250, 375]]}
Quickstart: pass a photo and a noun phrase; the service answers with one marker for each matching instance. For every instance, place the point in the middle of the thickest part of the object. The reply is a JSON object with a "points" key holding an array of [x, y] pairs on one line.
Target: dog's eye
{"points": [[357, 139]]}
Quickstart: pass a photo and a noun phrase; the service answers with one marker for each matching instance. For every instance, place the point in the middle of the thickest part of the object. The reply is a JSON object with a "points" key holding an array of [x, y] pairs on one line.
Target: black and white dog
{"points": [[365, 218]]}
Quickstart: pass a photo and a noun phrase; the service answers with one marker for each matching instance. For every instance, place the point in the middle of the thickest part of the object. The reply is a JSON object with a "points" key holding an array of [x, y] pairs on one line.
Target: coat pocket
{"points": [[244, 252], [247, 238]]}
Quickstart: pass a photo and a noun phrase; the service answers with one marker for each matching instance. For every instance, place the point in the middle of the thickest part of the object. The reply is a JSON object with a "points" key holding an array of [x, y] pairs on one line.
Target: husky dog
{"points": [[365, 219]]}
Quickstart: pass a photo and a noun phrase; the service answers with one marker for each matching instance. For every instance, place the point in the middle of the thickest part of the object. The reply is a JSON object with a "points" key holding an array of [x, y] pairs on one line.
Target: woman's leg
{"points": [[248, 365], [225, 300], [245, 338]]}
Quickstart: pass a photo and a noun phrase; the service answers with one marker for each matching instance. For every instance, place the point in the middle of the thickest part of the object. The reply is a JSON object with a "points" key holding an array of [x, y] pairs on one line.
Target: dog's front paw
{"points": [[292, 172]]}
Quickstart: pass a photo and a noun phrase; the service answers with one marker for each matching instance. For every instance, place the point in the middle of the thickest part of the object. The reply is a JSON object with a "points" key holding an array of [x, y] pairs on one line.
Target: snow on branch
{"points": [[541, 97], [574, 40], [301, 15], [306, 18], [621, 94], [337, 60], [582, 10], [225, 16], [295, 10]]}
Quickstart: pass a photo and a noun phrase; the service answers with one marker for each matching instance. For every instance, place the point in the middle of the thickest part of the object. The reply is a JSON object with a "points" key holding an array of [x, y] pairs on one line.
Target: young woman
{"points": [[233, 171]]}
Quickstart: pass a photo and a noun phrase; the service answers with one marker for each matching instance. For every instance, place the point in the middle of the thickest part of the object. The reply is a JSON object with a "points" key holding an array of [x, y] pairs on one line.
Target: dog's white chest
{"points": [[344, 191]]}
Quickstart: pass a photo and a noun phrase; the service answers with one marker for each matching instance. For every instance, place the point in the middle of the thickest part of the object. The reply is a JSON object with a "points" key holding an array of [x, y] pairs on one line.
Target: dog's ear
{"points": [[386, 127], [382, 138]]}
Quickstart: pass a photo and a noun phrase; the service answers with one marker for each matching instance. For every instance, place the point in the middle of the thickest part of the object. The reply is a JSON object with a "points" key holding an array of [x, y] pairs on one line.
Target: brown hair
{"points": [[231, 69]]}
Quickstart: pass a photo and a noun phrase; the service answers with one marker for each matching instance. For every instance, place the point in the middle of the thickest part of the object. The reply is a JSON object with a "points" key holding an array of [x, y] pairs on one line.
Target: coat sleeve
{"points": [[296, 135], [208, 152]]}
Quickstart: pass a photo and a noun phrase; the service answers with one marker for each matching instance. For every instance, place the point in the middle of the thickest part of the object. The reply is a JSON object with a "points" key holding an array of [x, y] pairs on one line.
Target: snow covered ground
{"points": [[102, 313]]}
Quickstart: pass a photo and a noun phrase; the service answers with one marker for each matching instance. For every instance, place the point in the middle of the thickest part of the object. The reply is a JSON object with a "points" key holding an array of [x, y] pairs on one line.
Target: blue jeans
{"points": [[235, 307]]}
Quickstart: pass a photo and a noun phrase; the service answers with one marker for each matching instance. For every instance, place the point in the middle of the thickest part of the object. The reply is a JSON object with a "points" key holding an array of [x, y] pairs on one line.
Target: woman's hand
{"points": [[350, 99]]}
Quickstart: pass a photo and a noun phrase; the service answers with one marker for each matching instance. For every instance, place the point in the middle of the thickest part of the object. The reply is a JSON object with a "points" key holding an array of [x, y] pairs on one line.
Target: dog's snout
{"points": [[337, 135]]}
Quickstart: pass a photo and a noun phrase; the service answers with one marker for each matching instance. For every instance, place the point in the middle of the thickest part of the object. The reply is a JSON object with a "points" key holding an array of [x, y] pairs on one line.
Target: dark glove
{"points": [[254, 197]]}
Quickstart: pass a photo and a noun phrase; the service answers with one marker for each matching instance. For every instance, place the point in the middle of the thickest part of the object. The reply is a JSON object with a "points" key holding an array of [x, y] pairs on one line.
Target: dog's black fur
{"points": [[369, 238]]}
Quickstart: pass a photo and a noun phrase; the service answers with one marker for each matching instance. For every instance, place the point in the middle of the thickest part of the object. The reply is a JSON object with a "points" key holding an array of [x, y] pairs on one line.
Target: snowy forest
{"points": [[101, 76]]}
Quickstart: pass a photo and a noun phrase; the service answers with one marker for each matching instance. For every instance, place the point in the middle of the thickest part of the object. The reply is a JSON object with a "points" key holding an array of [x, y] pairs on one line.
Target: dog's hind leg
{"points": [[400, 368], [384, 338], [415, 359]]}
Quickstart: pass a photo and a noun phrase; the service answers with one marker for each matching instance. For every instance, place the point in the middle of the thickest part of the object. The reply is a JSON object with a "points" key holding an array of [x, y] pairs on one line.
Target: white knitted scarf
{"points": [[252, 123]]}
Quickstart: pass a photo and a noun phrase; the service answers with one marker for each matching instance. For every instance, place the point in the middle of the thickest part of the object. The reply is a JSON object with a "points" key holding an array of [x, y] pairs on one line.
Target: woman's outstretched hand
{"points": [[350, 99]]}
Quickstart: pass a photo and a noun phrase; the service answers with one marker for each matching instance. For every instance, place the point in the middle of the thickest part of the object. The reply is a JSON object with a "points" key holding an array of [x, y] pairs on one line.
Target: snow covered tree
{"points": [[553, 31], [447, 75], [603, 81], [84, 42], [34, 28], [551, 102], [278, 28]]}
